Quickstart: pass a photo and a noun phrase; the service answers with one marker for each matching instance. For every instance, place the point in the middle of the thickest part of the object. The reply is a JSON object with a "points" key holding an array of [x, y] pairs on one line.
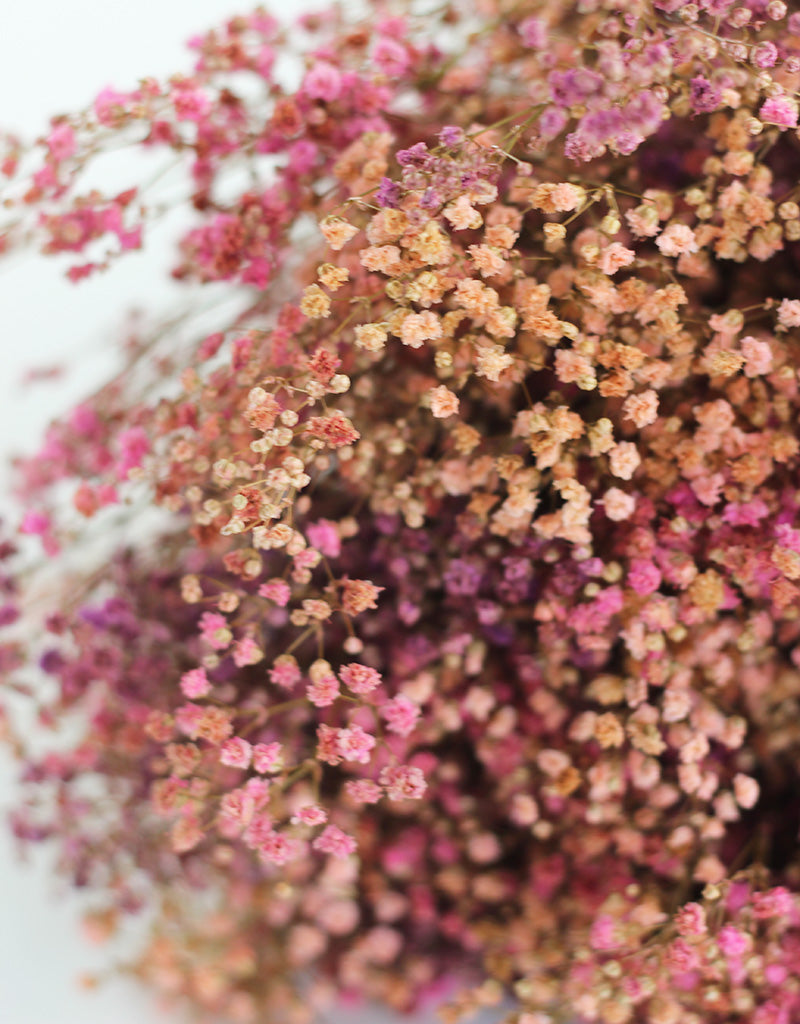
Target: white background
{"points": [[54, 56]]}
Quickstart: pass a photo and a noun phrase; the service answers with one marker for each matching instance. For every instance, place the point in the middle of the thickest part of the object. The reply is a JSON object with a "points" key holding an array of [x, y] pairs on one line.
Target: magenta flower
{"points": [[779, 110]]}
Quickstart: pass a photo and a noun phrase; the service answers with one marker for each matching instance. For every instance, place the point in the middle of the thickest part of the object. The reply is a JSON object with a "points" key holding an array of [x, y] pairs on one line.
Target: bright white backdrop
{"points": [[54, 56]]}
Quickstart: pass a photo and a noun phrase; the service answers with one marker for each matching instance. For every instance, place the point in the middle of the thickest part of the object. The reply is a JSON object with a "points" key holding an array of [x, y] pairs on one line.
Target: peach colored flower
{"points": [[614, 257], [624, 460], [463, 215], [337, 231], [418, 328], [677, 239], [642, 408], [443, 402], [618, 505], [315, 304]]}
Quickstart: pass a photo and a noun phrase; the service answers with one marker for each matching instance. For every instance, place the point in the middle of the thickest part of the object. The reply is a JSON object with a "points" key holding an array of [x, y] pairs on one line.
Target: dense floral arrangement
{"points": [[463, 663]]}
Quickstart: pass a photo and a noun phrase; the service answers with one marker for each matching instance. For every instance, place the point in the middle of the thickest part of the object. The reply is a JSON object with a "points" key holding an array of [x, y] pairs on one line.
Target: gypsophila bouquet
{"points": [[463, 664]]}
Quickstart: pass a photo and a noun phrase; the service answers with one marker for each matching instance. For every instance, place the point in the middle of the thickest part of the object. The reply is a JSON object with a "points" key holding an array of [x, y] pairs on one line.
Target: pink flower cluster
{"points": [[467, 663]]}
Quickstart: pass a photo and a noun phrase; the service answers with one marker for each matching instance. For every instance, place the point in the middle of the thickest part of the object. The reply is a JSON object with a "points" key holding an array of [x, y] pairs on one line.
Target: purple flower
{"points": [[574, 85], [598, 126], [388, 193], [462, 578], [644, 111], [578, 147], [704, 96], [627, 142], [416, 156], [451, 135], [552, 122], [431, 200]]}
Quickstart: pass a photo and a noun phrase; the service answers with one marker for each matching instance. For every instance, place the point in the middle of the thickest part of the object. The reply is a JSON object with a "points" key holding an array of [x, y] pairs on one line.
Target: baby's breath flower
{"points": [[477, 646]]}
